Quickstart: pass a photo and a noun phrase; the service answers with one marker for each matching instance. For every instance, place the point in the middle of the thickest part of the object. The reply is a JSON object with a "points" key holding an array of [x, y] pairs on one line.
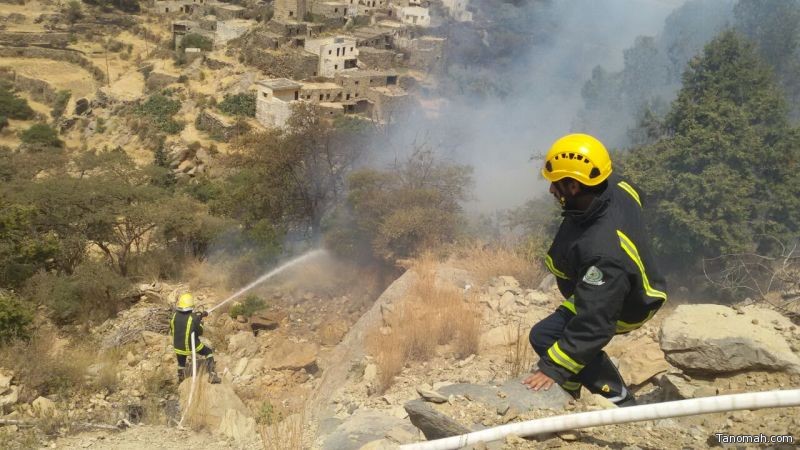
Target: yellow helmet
{"points": [[185, 302], [577, 156]]}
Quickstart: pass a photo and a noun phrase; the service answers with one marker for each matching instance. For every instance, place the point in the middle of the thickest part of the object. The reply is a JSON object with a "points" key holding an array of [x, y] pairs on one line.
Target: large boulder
{"points": [[366, 426], [289, 355], [242, 344], [718, 339], [265, 321], [9, 397], [5, 380], [217, 408], [238, 426], [43, 406]]}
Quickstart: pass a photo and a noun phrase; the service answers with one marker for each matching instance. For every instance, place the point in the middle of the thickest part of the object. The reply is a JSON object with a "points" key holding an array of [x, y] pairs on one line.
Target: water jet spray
{"points": [[302, 258]]}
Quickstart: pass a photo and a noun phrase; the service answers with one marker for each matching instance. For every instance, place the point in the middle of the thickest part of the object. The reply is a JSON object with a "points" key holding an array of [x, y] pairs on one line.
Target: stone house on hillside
{"points": [[372, 94], [332, 9], [294, 10], [414, 15], [335, 54]]}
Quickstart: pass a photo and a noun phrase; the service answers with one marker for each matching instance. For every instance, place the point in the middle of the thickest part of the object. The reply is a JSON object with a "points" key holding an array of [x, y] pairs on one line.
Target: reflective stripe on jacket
{"points": [[181, 327]]}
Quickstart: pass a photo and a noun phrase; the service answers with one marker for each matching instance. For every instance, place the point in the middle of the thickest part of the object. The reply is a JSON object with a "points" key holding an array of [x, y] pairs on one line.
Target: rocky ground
{"points": [[308, 350]]}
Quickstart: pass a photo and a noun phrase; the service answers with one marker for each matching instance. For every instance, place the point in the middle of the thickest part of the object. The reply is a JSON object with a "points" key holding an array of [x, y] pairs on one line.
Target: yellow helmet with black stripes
{"points": [[578, 156]]}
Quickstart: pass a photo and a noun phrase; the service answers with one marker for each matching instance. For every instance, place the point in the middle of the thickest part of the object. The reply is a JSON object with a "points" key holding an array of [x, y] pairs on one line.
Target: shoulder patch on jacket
{"points": [[593, 276]]}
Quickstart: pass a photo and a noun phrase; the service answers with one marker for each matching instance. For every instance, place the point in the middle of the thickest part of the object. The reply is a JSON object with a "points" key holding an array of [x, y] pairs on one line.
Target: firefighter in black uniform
{"points": [[604, 269], [185, 322]]}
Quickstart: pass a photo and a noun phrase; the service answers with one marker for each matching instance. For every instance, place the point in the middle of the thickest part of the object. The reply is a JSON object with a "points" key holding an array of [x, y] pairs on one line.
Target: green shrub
{"points": [[192, 40], [158, 110], [15, 317], [268, 415], [73, 11], [3, 122], [239, 105], [247, 307], [115, 46], [41, 134], [14, 107], [92, 293], [60, 104]]}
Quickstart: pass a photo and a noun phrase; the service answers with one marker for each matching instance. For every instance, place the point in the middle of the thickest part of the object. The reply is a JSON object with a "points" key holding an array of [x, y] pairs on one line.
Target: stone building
{"points": [[414, 15], [335, 54], [295, 10], [274, 101], [374, 36], [457, 9], [224, 11], [331, 10], [178, 6]]}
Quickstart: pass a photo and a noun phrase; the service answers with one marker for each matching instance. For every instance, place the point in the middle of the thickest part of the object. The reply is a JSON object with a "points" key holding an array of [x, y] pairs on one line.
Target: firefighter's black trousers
{"points": [[600, 376], [205, 351]]}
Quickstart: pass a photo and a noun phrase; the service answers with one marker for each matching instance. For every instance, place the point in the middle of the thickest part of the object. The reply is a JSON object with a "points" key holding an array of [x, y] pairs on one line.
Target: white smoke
{"points": [[498, 137]]}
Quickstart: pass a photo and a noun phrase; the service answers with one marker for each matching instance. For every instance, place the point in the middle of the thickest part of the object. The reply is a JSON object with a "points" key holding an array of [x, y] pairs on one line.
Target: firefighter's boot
{"points": [[213, 378]]}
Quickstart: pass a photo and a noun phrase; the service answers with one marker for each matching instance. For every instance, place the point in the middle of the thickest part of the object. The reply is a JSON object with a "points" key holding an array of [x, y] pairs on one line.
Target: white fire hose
{"points": [[706, 405], [194, 381]]}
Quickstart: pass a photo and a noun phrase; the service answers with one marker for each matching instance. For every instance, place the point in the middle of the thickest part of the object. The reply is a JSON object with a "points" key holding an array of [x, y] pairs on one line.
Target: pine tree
{"points": [[725, 176]]}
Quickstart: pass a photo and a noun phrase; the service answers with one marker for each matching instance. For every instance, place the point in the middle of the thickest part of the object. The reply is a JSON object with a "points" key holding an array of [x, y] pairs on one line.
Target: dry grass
{"points": [[286, 434], [428, 317], [46, 371], [196, 414], [520, 353], [485, 261]]}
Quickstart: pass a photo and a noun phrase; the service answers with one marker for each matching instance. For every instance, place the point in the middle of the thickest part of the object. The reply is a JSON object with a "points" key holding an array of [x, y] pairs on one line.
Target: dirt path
{"points": [[151, 437]]}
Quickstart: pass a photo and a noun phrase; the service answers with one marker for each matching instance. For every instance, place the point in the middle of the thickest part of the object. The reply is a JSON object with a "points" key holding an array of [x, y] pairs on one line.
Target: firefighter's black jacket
{"points": [[181, 327], [604, 268]]}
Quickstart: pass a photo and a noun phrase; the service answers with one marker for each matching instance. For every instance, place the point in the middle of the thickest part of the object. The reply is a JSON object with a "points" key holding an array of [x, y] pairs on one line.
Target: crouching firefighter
{"points": [[604, 269], [185, 322]]}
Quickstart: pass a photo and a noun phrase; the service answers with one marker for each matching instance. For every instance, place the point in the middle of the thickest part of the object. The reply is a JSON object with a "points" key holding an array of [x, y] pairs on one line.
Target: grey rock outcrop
{"points": [[718, 339], [432, 423]]}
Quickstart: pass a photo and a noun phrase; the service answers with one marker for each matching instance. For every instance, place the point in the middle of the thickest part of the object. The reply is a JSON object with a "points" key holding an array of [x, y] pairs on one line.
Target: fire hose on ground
{"points": [[695, 406], [194, 382]]}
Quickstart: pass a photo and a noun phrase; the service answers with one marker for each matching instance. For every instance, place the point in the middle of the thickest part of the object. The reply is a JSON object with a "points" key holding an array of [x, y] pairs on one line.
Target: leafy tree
{"points": [[239, 105], [15, 318], [415, 204], [24, 247], [615, 101], [60, 104], [193, 40], [41, 135], [130, 6], [73, 11], [14, 107], [105, 201], [725, 174], [292, 177], [92, 292], [775, 28]]}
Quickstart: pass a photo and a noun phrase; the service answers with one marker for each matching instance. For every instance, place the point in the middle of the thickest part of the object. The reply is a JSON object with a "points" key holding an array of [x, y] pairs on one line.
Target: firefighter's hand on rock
{"points": [[538, 381]]}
